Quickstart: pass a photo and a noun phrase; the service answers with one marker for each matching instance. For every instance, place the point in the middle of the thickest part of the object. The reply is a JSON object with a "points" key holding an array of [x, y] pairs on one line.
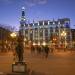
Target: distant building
{"points": [[53, 33], [5, 39], [73, 36]]}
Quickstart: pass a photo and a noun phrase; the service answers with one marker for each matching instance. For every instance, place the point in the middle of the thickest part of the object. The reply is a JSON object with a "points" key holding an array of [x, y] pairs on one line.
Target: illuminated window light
{"points": [[48, 22], [38, 43], [43, 22], [58, 22], [38, 23]]}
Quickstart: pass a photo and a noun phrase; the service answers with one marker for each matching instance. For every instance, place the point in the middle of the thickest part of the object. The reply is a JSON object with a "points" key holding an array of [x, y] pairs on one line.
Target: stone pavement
{"points": [[27, 73], [57, 63]]}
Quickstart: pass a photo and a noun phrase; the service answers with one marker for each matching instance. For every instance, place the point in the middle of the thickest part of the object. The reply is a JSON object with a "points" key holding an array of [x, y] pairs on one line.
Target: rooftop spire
{"points": [[22, 19], [23, 8], [23, 11]]}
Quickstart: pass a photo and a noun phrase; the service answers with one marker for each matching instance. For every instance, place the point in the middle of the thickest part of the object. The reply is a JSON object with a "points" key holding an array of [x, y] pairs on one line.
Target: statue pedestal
{"points": [[19, 67]]}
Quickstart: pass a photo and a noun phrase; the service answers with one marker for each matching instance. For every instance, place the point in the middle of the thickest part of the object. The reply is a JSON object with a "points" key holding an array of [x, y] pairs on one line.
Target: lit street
{"points": [[59, 63]]}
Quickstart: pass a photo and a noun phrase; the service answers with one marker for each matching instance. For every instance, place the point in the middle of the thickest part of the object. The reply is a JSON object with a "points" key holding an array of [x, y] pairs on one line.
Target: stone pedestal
{"points": [[19, 67]]}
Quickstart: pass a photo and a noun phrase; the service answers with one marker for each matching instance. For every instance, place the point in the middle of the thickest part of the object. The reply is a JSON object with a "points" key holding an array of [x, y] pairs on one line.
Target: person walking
{"points": [[46, 49]]}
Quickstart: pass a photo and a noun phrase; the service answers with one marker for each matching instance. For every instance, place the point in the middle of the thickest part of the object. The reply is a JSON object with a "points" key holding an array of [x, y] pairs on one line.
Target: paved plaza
{"points": [[57, 63]]}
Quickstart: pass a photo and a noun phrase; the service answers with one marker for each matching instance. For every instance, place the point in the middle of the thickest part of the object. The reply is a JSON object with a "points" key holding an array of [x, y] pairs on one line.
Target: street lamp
{"points": [[13, 36], [34, 43], [44, 43], [25, 42], [63, 34], [54, 42]]}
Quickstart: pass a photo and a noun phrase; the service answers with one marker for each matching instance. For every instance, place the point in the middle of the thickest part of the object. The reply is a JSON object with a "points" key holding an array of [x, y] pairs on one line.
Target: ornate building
{"points": [[73, 37], [52, 33], [5, 39]]}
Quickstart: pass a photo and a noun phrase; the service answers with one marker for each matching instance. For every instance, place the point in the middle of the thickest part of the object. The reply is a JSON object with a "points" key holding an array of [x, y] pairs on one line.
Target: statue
{"points": [[19, 52], [19, 48], [20, 65]]}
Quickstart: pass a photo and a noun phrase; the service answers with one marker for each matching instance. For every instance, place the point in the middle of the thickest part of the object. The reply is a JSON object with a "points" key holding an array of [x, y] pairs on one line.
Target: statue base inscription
{"points": [[19, 67]]}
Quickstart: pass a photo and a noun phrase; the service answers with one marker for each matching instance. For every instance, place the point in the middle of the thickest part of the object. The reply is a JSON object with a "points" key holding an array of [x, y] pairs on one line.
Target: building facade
{"points": [[5, 39], [73, 37], [46, 32]]}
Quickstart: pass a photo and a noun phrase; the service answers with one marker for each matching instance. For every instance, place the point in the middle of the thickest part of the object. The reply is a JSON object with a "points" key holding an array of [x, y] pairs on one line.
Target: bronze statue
{"points": [[19, 48], [19, 52]]}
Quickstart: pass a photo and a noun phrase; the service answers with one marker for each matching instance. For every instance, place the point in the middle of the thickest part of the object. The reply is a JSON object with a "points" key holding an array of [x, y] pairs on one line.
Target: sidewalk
{"points": [[58, 63], [6, 53], [29, 73]]}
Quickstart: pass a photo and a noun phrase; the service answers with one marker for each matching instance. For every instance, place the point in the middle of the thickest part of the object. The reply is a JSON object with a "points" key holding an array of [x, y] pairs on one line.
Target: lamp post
{"points": [[63, 35], [13, 36], [54, 42], [25, 42], [44, 43]]}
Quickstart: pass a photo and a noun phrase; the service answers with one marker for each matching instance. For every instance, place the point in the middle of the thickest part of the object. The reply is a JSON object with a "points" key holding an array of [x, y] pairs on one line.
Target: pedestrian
{"points": [[46, 48], [32, 49], [38, 49]]}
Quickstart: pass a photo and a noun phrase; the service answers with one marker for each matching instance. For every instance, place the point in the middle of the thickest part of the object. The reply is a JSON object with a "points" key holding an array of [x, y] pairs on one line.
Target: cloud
{"points": [[42, 1], [30, 3], [6, 1], [35, 2]]}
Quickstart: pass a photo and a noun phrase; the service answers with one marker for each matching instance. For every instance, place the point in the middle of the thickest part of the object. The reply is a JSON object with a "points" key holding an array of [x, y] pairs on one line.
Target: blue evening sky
{"points": [[10, 10]]}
